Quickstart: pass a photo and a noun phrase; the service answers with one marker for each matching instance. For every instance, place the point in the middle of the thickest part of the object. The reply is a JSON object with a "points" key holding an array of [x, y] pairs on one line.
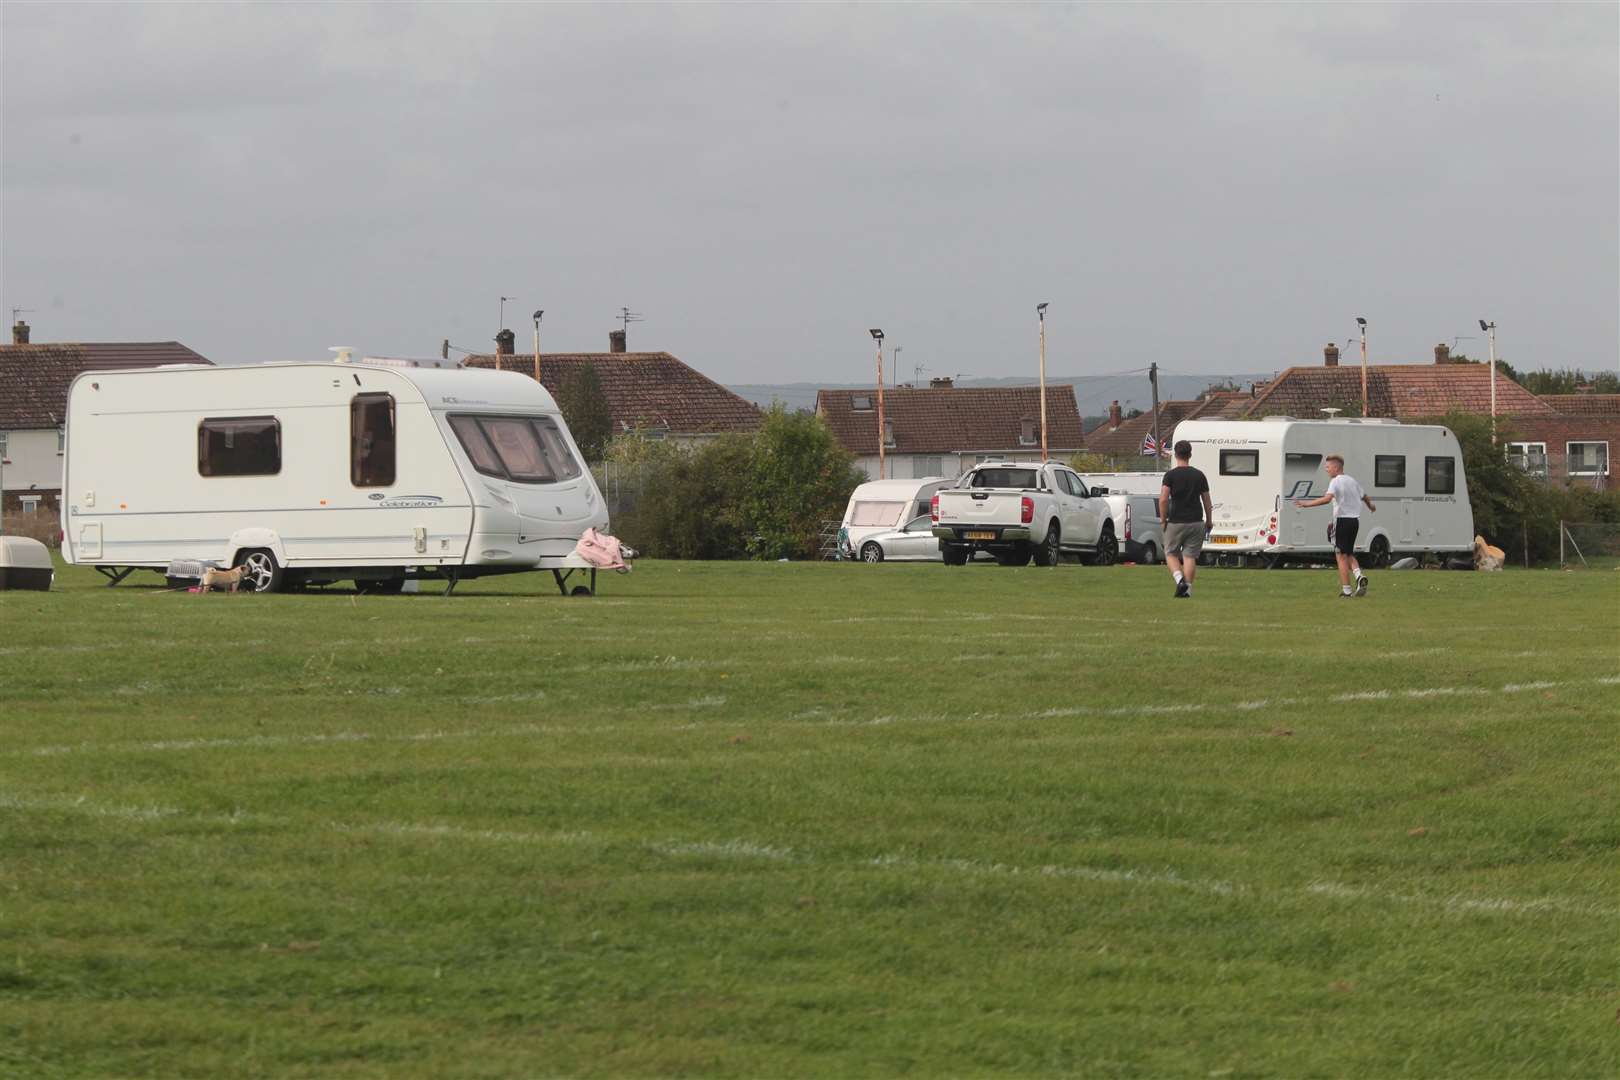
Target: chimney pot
{"points": [[1330, 355], [941, 382], [1442, 353], [1114, 418], [19, 333], [616, 341], [504, 342]]}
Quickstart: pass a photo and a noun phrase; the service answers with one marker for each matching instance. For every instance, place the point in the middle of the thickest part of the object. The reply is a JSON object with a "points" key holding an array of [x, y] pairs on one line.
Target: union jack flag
{"points": [[1149, 445]]}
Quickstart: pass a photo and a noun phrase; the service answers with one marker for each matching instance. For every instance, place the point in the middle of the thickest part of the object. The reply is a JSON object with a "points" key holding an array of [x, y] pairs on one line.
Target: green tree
{"points": [[798, 476], [585, 408], [1087, 461]]}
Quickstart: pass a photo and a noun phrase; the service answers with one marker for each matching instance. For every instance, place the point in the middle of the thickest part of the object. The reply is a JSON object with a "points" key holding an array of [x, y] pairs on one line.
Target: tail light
{"points": [[933, 509], [1026, 510], [1127, 521]]}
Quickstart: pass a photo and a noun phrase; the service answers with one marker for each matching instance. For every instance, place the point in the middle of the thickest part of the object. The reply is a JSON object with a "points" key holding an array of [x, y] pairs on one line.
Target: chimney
{"points": [[444, 349], [1113, 416], [1442, 353], [1330, 355], [504, 342], [943, 382], [19, 333], [615, 341]]}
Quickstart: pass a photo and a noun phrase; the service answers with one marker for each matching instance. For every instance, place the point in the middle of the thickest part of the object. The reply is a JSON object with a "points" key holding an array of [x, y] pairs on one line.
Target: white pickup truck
{"points": [[1021, 509]]}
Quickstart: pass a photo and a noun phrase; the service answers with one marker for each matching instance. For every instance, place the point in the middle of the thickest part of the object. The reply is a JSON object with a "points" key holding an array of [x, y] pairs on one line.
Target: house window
{"points": [[924, 465], [1439, 475], [371, 440], [1026, 431], [239, 446], [888, 433], [1240, 463], [61, 441], [861, 403], [1529, 456], [1587, 458], [28, 503], [525, 450], [4, 435], [1389, 470]]}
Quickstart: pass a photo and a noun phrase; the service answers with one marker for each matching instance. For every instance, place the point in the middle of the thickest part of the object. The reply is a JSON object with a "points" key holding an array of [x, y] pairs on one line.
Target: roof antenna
{"points": [[626, 316]]}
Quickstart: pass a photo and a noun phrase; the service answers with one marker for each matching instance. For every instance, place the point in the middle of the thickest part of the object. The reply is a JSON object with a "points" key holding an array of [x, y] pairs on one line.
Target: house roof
{"points": [[1126, 439], [1584, 404], [34, 379], [644, 390], [953, 419], [1401, 391]]}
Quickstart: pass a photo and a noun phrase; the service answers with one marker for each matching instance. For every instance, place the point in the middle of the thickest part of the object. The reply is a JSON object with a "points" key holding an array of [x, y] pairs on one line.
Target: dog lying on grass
{"points": [[1487, 557], [214, 579]]}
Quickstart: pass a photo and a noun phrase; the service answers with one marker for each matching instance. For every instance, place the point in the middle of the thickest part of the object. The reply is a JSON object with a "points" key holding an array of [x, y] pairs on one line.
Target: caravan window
{"points": [[371, 440], [1389, 470], [1439, 475], [239, 446], [528, 450], [1240, 463], [867, 513]]}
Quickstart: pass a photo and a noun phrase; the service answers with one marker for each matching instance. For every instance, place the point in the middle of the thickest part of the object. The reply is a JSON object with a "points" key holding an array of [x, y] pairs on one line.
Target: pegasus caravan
{"points": [[1256, 468], [880, 506], [376, 471]]}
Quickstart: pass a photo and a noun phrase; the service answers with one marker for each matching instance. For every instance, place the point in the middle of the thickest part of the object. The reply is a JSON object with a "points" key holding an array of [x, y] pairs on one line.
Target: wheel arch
{"points": [[244, 539]]}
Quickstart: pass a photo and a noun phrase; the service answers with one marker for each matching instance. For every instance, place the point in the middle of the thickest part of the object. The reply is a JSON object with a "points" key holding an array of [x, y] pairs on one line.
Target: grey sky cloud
{"points": [[1218, 188]]}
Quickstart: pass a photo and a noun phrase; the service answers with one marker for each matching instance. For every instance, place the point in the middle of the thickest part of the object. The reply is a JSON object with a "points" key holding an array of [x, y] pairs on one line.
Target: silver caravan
{"points": [[375, 471], [1256, 468]]}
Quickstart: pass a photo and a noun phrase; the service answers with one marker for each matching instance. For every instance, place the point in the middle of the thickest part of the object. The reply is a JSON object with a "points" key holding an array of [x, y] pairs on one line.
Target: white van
{"points": [[1256, 468], [377, 471], [880, 506]]}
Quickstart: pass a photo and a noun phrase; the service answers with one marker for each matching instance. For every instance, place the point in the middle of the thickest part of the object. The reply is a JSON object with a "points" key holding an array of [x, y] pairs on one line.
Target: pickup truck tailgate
{"points": [[966, 507]]}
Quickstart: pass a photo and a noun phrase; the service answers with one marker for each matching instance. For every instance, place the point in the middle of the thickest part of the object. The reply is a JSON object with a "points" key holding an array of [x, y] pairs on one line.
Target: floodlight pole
{"points": [[1490, 330], [1363, 324], [877, 336], [1158, 440], [537, 315], [1040, 313]]}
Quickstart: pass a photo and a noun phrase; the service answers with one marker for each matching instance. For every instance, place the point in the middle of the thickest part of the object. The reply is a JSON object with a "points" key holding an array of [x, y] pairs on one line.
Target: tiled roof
{"points": [[644, 390], [1401, 391], [955, 419], [1222, 405], [1584, 404], [1126, 440], [34, 378]]}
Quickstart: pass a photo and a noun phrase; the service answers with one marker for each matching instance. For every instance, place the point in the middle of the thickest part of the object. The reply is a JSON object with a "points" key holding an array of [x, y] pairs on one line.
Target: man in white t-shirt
{"points": [[1346, 496]]}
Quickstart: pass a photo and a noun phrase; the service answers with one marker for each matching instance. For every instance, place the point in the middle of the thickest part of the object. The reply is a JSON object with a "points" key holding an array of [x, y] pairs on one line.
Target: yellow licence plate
{"points": [[979, 536], [1223, 539]]}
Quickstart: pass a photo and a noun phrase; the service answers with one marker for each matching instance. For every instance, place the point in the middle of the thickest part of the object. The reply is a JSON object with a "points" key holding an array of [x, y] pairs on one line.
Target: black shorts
{"points": [[1344, 535]]}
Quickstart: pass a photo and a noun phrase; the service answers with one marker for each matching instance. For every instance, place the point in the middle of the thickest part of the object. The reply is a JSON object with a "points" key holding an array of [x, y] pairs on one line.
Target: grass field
{"points": [[835, 820]]}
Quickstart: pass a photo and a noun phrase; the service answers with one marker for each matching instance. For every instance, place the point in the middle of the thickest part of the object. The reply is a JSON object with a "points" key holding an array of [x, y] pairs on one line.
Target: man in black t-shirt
{"points": [[1185, 521]]}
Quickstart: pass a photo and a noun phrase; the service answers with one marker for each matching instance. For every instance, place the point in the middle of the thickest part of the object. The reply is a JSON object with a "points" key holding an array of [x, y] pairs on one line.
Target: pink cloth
{"points": [[601, 550]]}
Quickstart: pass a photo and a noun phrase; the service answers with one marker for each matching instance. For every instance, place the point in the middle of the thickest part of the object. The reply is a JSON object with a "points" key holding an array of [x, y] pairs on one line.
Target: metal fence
{"points": [[1589, 545]]}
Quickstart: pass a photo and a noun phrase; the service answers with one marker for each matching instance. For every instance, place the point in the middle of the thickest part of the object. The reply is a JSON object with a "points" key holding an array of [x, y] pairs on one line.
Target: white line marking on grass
{"points": [[1610, 680], [729, 849], [1514, 688]]}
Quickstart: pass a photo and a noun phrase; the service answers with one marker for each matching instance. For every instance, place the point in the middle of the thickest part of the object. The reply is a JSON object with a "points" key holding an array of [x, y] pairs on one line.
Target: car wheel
{"points": [[263, 572], [1378, 551], [953, 554], [1107, 547], [1051, 550], [871, 551]]}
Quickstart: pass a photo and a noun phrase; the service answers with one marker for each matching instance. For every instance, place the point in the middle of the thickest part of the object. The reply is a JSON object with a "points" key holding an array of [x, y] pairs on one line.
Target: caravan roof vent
{"points": [[345, 353]]}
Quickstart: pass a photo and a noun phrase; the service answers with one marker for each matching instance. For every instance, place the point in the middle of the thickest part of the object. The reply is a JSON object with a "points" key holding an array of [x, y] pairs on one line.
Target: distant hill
{"points": [[1094, 393]]}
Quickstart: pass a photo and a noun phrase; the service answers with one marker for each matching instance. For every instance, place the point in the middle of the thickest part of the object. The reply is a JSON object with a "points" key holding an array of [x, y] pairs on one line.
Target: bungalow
{"points": [[34, 381], [652, 393], [944, 429]]}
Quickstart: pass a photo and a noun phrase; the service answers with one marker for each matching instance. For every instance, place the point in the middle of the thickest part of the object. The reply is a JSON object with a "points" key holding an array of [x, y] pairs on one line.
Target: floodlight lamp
{"points": [[1040, 309], [1361, 322], [537, 315], [877, 335], [1482, 325]]}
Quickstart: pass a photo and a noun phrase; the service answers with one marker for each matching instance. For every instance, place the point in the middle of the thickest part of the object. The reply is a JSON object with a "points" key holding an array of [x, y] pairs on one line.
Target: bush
{"points": [[760, 495]]}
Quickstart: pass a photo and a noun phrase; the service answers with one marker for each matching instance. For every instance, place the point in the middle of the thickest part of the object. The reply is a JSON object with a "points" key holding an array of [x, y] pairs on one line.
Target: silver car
{"points": [[914, 541]]}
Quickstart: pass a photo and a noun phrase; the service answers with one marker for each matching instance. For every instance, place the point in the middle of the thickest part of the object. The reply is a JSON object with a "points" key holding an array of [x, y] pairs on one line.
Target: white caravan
{"points": [[377, 471], [880, 506], [1256, 468]]}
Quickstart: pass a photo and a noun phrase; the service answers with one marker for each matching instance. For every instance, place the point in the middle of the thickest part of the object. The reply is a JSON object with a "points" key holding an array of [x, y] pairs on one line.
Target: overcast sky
{"points": [[1217, 188]]}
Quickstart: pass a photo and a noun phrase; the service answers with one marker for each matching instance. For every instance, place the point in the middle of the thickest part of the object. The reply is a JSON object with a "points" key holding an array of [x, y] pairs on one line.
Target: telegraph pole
{"points": [[1040, 311], [537, 315], [1490, 330], [1363, 324]]}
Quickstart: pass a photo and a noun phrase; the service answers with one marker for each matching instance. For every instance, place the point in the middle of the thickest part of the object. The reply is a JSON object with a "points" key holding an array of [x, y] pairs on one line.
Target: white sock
{"points": [[1358, 573], [1347, 590], [1178, 576]]}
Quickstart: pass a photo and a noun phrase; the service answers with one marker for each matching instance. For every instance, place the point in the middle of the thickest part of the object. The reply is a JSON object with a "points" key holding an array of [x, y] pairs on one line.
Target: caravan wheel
{"points": [[263, 572], [1378, 551]]}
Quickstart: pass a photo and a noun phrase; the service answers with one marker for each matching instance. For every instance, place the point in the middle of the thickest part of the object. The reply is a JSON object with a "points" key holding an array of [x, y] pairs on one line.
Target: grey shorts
{"points": [[1186, 540]]}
